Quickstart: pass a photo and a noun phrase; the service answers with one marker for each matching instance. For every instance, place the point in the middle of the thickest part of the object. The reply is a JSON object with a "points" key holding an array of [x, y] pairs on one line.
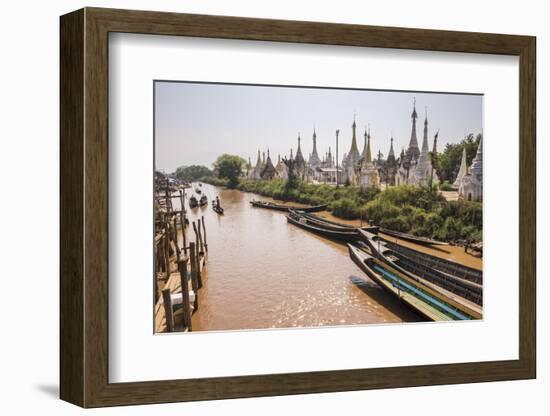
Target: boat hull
{"points": [[418, 297], [413, 238], [284, 208], [342, 236]]}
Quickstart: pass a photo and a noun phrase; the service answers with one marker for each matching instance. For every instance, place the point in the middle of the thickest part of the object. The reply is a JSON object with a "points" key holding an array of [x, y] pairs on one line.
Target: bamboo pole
{"points": [[182, 219], [168, 312], [197, 239], [204, 232], [176, 239], [194, 281], [182, 201], [199, 273], [182, 267], [200, 236]]}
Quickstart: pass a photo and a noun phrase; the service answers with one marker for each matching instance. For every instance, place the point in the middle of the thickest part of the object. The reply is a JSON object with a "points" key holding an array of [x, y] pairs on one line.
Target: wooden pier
{"points": [[179, 268]]}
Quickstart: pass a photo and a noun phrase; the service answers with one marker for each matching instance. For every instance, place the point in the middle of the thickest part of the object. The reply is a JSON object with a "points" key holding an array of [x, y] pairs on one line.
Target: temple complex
{"points": [[413, 166]]}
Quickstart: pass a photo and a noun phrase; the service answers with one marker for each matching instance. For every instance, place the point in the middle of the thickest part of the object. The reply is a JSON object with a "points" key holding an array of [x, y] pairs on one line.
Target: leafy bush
{"points": [[345, 208]]}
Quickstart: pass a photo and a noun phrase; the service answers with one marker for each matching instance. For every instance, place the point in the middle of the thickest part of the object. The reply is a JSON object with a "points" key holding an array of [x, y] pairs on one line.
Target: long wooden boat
{"points": [[468, 293], [444, 265], [193, 202], [313, 220], [417, 296], [203, 201], [347, 236], [218, 209], [323, 222], [413, 238], [286, 208]]}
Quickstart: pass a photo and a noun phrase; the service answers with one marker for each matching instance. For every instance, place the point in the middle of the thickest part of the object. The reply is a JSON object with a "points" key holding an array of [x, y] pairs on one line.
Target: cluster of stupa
{"points": [[306, 170], [414, 166]]}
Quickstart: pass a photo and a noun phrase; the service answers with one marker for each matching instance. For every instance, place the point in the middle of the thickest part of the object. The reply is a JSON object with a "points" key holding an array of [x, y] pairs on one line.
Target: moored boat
{"points": [[218, 209], [413, 238], [193, 202], [417, 296], [343, 235], [325, 223], [426, 269], [286, 208]]}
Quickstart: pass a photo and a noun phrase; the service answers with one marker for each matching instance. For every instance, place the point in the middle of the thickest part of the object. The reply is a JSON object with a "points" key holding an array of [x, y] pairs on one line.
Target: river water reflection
{"points": [[265, 273]]}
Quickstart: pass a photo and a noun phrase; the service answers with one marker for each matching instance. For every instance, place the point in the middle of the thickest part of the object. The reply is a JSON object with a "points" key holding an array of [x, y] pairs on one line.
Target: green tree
{"points": [[293, 181], [193, 172], [448, 162], [229, 167]]}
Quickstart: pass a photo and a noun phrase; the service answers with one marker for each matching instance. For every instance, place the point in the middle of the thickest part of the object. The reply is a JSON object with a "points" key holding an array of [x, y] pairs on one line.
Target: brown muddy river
{"points": [[265, 273]]}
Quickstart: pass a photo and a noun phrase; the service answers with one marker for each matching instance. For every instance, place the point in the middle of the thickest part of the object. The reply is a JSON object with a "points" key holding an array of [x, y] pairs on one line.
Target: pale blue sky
{"points": [[195, 123]]}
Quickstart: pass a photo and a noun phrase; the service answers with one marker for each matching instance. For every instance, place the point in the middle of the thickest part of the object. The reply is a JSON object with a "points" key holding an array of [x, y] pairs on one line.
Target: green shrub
{"points": [[345, 208]]}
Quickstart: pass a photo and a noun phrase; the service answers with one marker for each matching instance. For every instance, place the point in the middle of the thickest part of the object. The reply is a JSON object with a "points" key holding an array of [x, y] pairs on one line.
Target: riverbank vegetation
{"points": [[418, 210], [410, 209], [193, 172]]}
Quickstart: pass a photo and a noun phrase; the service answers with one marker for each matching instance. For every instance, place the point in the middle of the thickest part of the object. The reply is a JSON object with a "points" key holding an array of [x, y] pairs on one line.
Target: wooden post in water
{"points": [[204, 232], [182, 267], [176, 238], [194, 282], [197, 240], [201, 248], [199, 273], [168, 312], [182, 219]]}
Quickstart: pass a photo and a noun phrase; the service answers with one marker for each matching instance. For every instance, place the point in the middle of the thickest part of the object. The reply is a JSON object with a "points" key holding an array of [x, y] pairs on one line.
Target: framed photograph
{"points": [[256, 207]]}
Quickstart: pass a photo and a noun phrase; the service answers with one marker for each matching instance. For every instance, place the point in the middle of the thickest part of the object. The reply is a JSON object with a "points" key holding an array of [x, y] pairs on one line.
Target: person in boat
{"points": [[217, 201]]}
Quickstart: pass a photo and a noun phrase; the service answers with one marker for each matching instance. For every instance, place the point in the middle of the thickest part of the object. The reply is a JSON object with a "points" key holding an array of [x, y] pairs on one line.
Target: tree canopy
{"points": [[229, 167], [447, 163], [193, 172]]}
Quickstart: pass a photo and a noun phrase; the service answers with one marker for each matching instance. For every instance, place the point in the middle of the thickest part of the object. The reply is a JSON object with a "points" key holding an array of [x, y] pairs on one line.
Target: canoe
{"points": [[425, 270], [417, 296], [318, 222], [444, 265], [323, 222], [193, 202], [413, 238], [286, 208], [217, 209], [346, 236]]}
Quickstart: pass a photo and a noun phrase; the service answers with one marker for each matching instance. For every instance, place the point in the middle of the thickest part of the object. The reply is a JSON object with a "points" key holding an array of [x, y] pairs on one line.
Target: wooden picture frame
{"points": [[84, 207]]}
